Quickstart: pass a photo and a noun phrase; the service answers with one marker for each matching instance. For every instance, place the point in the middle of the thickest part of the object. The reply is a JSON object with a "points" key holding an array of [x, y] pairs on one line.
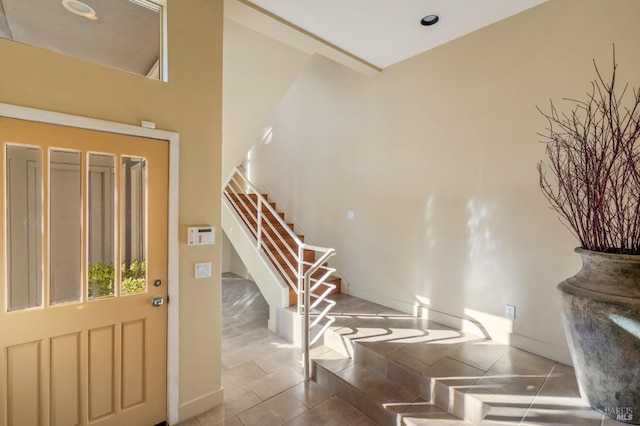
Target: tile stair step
{"points": [[464, 391], [436, 393], [374, 395]]}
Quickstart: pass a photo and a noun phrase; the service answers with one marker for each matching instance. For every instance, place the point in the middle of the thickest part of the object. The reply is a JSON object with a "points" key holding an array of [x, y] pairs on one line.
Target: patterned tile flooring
{"points": [[261, 372], [264, 385]]}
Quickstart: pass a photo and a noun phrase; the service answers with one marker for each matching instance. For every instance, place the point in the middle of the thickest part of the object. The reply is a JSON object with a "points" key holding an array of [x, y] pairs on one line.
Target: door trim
{"points": [[50, 117]]}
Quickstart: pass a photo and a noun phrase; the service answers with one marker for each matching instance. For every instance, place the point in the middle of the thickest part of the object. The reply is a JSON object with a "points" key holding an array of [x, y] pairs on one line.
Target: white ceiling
{"points": [[384, 32], [379, 33]]}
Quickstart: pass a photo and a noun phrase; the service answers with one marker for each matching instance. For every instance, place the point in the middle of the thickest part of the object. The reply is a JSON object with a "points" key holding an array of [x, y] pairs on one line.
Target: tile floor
{"points": [[264, 385]]}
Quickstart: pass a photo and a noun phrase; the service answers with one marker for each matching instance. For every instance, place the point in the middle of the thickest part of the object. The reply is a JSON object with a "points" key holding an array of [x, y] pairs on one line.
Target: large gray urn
{"points": [[601, 313]]}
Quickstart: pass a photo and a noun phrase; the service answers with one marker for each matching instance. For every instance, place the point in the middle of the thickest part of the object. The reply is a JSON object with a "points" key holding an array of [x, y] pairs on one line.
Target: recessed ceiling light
{"points": [[429, 20], [80, 8]]}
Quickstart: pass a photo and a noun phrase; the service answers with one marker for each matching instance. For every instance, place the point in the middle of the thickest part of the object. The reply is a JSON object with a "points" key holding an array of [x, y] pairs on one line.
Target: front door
{"points": [[83, 277]]}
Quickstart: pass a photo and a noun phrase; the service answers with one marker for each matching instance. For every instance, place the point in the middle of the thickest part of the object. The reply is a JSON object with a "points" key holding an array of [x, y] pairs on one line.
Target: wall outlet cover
{"points": [[510, 311]]}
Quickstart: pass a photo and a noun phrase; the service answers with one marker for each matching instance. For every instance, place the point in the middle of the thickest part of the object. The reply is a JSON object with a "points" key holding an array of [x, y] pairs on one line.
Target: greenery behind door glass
{"points": [[102, 278], [102, 271], [134, 213]]}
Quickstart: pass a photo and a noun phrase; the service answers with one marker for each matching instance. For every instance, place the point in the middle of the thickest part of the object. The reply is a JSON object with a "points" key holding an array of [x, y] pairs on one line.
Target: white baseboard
{"points": [[200, 405], [501, 334], [398, 305], [547, 350], [483, 325]]}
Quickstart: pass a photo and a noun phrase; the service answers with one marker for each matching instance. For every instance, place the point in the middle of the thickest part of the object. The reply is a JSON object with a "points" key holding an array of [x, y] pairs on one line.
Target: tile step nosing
{"points": [[443, 396], [352, 395]]}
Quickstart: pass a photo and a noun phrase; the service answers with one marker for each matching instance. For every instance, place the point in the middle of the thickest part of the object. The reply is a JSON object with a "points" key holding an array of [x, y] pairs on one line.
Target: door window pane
{"points": [[24, 227], [133, 246], [101, 225], [65, 218]]}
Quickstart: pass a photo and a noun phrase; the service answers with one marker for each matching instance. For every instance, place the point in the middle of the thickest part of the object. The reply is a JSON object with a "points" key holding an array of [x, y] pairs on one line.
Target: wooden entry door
{"points": [[83, 278]]}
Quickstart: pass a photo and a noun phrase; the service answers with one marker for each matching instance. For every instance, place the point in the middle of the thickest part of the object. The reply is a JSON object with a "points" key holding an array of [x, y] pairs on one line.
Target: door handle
{"points": [[157, 301]]}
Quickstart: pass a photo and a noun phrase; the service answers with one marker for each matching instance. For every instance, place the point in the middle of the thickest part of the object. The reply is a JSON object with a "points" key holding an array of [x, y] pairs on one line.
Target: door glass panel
{"points": [[65, 218], [133, 247], [101, 225], [24, 227]]}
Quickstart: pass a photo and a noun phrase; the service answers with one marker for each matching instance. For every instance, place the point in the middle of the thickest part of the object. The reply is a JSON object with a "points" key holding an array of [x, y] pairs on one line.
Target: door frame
{"points": [[50, 117]]}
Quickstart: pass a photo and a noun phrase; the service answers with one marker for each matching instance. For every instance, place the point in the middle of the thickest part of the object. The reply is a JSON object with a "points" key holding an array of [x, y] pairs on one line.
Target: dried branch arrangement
{"points": [[592, 177]]}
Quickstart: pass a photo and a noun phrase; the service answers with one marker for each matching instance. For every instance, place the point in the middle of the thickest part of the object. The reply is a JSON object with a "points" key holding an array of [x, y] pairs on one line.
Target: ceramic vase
{"points": [[600, 307]]}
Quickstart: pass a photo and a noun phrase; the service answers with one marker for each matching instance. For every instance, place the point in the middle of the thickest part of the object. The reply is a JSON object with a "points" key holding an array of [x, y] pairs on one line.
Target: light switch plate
{"points": [[203, 270]]}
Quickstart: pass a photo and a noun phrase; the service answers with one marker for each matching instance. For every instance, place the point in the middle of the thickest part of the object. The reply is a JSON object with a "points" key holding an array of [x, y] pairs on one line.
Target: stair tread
{"points": [[470, 377], [377, 396], [374, 395]]}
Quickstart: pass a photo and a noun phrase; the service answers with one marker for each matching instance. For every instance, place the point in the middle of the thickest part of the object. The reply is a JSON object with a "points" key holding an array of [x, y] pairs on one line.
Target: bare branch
{"points": [[592, 177]]}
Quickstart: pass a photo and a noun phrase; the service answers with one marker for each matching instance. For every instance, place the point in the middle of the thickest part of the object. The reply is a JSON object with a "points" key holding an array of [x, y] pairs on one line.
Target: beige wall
{"points": [[437, 157], [257, 71], [231, 261], [190, 104]]}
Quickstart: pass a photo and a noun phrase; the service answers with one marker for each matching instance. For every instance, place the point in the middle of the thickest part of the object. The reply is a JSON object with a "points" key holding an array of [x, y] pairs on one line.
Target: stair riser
{"points": [[353, 396], [466, 407], [442, 394], [309, 256], [283, 244], [412, 380], [249, 216], [253, 197], [242, 196], [276, 231], [249, 206], [267, 218]]}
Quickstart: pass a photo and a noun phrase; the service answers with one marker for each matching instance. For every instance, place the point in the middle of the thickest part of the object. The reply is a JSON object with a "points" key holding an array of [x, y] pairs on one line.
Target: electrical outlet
{"points": [[510, 311]]}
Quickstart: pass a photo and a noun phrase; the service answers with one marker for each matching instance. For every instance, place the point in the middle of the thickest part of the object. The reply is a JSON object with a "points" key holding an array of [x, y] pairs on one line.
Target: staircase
{"points": [[397, 369], [279, 245], [301, 266]]}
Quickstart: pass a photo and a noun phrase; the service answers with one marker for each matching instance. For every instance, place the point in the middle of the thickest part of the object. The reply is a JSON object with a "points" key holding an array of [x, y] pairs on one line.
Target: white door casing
{"points": [[10, 111]]}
